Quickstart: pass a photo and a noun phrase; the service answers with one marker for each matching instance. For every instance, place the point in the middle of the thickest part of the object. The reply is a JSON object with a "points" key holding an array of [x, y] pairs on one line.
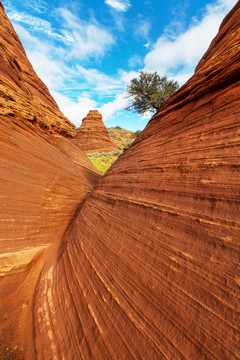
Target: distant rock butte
{"points": [[93, 136], [146, 266]]}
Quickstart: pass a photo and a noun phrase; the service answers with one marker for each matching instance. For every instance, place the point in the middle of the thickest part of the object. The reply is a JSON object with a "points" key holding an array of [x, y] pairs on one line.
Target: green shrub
{"points": [[137, 133], [127, 146]]}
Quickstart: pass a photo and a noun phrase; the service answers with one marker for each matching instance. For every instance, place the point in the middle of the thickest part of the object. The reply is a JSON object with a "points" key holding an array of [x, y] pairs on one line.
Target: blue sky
{"points": [[86, 52]]}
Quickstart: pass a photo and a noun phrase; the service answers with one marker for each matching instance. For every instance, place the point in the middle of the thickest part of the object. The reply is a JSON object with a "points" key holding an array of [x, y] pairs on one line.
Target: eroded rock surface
{"points": [[151, 270], [22, 93], [44, 178], [93, 136]]}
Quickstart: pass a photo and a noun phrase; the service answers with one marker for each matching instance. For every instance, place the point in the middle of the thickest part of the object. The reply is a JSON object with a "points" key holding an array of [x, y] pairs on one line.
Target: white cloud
{"points": [[30, 42], [39, 6], [38, 24], [147, 45], [79, 38], [53, 68], [142, 29], [51, 62], [146, 116], [178, 56], [109, 109], [75, 111], [174, 54], [49, 71], [226, 5], [135, 61], [119, 5], [181, 77], [56, 73], [100, 81], [127, 76], [52, 71], [35, 22], [89, 38]]}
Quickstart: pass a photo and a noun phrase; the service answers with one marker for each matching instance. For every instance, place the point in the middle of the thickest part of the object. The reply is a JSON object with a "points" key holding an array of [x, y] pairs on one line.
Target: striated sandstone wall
{"points": [[151, 269], [23, 95], [44, 178], [93, 136]]}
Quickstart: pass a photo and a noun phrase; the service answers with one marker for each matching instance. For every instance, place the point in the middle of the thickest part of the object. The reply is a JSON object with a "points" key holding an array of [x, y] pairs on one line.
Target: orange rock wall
{"points": [[43, 182], [93, 136], [44, 178], [42, 168], [151, 270], [147, 265], [22, 93]]}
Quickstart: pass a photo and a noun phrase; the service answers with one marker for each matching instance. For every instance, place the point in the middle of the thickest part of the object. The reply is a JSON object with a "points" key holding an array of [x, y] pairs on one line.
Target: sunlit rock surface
{"points": [[151, 268], [22, 93], [93, 136], [44, 178]]}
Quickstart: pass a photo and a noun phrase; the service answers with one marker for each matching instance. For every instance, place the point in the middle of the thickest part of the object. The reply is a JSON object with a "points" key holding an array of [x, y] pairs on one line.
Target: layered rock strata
{"points": [[44, 178], [145, 267], [93, 136], [22, 93], [151, 269]]}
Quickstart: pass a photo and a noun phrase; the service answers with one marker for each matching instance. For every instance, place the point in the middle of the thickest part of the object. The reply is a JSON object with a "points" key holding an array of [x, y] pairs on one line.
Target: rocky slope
{"points": [[92, 135], [44, 177], [121, 137], [151, 268]]}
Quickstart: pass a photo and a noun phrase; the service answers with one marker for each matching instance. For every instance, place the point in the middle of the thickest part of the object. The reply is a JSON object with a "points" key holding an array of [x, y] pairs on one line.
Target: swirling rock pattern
{"points": [[44, 178], [151, 268], [148, 265], [93, 136]]}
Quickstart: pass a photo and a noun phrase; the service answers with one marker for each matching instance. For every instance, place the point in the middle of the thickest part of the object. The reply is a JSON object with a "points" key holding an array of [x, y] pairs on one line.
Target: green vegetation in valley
{"points": [[103, 161], [122, 138]]}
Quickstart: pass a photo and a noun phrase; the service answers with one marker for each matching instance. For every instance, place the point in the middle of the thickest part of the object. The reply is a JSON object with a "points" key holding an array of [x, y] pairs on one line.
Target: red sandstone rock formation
{"points": [[151, 269], [92, 135], [44, 177], [22, 93], [151, 266]]}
